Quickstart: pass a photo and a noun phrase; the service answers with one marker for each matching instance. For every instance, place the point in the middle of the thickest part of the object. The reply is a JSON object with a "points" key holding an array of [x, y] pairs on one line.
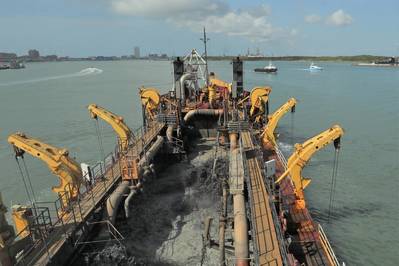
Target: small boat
{"points": [[313, 67], [3, 67], [268, 69]]}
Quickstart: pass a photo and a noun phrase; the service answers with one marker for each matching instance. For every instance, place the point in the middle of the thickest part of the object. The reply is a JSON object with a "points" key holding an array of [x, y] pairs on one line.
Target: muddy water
{"points": [[167, 218]]}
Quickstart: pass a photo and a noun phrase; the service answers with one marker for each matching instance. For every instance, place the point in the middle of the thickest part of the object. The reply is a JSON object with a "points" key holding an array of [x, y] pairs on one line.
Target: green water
{"points": [[48, 101]]}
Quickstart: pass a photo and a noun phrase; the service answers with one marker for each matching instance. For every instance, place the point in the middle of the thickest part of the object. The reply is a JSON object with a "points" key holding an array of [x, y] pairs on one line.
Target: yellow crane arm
{"points": [[259, 96], [150, 99], [219, 83], [273, 119], [57, 160], [122, 130], [304, 152]]}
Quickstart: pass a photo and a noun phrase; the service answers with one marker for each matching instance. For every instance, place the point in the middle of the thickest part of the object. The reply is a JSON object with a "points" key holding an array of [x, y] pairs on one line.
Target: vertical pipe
{"points": [[240, 218], [222, 226]]}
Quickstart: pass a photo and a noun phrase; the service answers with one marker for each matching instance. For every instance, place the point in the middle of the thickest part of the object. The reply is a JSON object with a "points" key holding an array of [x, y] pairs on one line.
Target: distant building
{"points": [[7, 56], [34, 54], [51, 57], [137, 52]]}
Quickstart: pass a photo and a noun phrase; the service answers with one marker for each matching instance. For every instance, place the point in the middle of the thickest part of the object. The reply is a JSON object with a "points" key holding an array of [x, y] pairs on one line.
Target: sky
{"points": [[280, 27]]}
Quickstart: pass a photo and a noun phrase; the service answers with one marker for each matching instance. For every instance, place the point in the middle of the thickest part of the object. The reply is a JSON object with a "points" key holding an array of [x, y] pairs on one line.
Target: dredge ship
{"points": [[264, 219]]}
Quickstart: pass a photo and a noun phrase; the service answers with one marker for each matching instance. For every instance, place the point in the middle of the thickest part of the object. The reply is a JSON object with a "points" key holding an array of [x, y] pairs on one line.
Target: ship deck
{"points": [[265, 235], [67, 227]]}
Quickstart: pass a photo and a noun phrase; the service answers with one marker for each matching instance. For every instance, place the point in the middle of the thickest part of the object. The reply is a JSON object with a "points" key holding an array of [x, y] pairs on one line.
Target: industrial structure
{"points": [[264, 219]]}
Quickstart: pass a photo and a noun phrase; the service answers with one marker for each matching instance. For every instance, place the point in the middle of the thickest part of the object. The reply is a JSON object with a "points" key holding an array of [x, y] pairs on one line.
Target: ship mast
{"points": [[205, 40]]}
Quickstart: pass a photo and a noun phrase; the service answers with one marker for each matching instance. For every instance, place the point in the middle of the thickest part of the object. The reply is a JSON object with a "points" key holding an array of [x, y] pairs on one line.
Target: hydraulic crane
{"points": [[273, 119], [215, 83], [129, 162], [259, 97], [150, 100], [301, 156], [122, 130], [57, 160]]}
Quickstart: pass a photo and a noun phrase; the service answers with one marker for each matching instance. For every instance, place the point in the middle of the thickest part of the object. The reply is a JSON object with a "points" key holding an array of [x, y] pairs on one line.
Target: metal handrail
{"points": [[327, 246]]}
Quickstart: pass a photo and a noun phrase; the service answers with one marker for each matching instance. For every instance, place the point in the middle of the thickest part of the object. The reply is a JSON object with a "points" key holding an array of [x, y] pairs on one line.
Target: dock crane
{"points": [[57, 160], [273, 119], [124, 133], [301, 156], [259, 97]]}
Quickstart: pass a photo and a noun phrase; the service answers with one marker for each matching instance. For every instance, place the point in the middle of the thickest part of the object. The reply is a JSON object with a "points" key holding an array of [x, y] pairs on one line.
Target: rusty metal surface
{"points": [[265, 232], [308, 231], [81, 210]]}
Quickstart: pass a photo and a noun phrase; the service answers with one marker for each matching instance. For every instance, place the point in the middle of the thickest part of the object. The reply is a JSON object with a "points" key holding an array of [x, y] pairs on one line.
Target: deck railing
{"points": [[64, 214]]}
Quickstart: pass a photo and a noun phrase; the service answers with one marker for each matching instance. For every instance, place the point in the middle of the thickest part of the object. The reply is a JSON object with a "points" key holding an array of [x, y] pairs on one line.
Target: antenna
{"points": [[205, 40]]}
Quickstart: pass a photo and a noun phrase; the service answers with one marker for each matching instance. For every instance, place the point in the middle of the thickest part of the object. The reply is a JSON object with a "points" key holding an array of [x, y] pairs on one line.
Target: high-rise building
{"points": [[34, 54], [137, 52]]}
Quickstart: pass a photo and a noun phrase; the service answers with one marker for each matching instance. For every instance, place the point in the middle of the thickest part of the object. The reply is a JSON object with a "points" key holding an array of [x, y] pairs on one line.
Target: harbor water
{"points": [[48, 101]]}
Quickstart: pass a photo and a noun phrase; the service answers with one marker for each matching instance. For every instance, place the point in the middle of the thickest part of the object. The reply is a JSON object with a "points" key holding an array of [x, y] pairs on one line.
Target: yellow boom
{"points": [[57, 160], [122, 130], [302, 155], [259, 97], [273, 119], [215, 83], [150, 99]]}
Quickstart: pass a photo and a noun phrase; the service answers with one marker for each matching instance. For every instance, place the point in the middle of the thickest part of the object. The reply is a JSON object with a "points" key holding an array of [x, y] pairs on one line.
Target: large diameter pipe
{"points": [[210, 112], [115, 199], [240, 217], [133, 192], [182, 80], [152, 151], [169, 133], [240, 230]]}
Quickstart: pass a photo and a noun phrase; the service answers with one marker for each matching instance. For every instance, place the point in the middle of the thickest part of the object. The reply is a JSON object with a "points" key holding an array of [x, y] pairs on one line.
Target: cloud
{"points": [[339, 18], [312, 19], [167, 8], [216, 15]]}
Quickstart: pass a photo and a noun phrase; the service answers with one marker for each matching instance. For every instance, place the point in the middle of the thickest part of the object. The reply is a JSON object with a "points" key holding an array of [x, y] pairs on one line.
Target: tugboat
{"points": [[268, 69], [313, 67]]}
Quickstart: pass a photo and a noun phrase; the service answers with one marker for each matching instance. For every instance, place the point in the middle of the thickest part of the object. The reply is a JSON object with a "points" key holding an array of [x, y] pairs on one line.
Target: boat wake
{"points": [[84, 72], [89, 71]]}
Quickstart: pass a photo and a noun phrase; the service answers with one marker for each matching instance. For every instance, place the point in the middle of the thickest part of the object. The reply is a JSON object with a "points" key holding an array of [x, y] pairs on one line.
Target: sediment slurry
{"points": [[167, 218]]}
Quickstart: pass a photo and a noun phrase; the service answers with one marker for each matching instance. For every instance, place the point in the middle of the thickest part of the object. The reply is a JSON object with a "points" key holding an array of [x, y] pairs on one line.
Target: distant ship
{"points": [[13, 65], [390, 62], [313, 67], [3, 67], [268, 69]]}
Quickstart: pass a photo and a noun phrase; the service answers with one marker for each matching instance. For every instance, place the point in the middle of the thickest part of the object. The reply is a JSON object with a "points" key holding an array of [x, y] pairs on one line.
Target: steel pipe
{"points": [[211, 112], [182, 80], [169, 133], [240, 218], [115, 199], [152, 151]]}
